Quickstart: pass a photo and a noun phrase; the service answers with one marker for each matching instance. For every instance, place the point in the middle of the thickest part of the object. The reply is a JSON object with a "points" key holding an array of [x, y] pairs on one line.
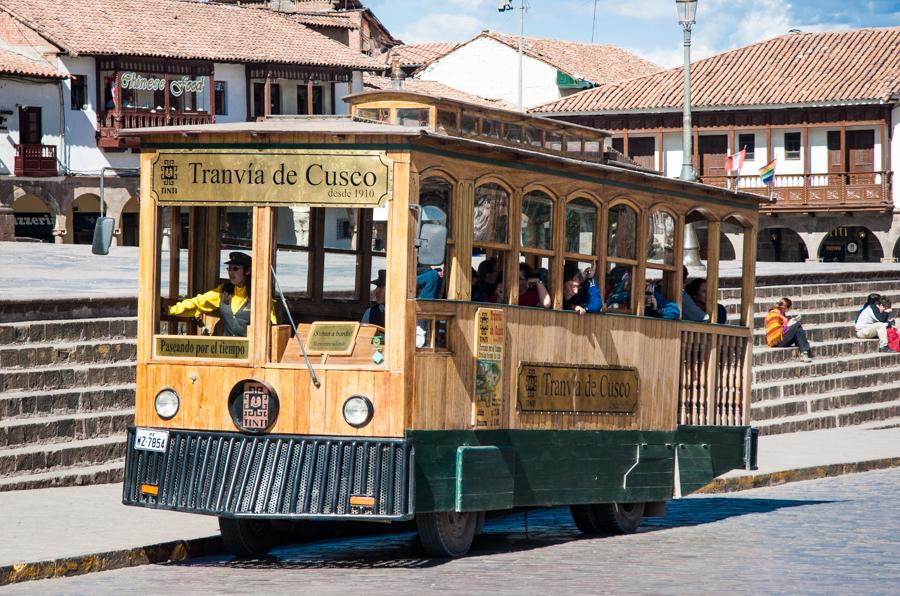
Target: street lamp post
{"points": [[687, 12]]}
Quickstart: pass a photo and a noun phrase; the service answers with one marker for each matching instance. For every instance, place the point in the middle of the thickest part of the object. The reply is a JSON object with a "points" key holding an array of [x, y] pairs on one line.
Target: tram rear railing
{"points": [[714, 379]]}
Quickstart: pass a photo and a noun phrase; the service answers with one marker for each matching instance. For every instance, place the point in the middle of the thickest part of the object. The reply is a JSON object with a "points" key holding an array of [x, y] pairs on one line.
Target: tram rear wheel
{"points": [[247, 537], [447, 533], [608, 518]]}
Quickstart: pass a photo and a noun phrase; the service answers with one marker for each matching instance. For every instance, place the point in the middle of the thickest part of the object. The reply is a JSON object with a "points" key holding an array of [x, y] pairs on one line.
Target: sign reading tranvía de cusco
{"points": [[580, 389], [330, 178]]}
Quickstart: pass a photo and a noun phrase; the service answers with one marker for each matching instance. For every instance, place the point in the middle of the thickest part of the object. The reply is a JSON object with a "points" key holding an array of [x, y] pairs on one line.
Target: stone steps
{"points": [[32, 404], [834, 418], [68, 377], [21, 432], [822, 367], [806, 386], [67, 330], [859, 289], [31, 355], [765, 357], [826, 402], [39, 459], [822, 333], [112, 471]]}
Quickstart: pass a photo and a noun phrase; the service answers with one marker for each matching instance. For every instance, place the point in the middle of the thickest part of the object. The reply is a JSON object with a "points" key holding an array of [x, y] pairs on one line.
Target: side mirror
{"points": [[103, 235], [432, 244], [432, 240]]}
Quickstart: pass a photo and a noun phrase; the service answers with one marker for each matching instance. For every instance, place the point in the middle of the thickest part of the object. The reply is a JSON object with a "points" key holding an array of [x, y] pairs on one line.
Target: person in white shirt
{"points": [[873, 321]]}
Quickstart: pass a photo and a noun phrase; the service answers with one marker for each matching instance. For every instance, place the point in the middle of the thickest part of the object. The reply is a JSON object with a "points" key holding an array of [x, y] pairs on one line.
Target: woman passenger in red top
{"points": [[531, 289]]}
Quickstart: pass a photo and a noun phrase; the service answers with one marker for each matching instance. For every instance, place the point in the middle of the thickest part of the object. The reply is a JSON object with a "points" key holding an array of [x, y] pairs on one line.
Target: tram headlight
{"points": [[358, 411], [166, 404]]}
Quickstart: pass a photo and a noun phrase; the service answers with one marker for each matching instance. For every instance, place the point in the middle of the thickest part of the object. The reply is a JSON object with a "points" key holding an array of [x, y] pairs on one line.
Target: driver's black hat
{"points": [[239, 258]]}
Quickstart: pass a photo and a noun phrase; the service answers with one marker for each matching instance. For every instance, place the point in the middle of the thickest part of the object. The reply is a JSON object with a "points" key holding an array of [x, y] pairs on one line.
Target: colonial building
{"points": [[110, 65], [824, 105], [487, 65]]}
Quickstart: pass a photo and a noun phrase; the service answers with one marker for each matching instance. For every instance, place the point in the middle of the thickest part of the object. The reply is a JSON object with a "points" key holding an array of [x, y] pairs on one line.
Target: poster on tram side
{"points": [[489, 337]]}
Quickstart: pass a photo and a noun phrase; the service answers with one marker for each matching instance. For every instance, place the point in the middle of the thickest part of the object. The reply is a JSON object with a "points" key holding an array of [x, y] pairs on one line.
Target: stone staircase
{"points": [[849, 382], [66, 391]]}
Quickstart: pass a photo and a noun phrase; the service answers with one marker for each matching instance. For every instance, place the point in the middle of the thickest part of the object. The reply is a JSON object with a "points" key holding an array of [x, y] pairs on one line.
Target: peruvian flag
{"points": [[734, 163]]}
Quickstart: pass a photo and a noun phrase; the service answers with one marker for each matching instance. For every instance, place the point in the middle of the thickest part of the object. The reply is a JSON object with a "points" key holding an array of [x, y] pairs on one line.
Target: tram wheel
{"points": [[585, 518], [619, 518], [247, 537], [479, 523], [448, 533]]}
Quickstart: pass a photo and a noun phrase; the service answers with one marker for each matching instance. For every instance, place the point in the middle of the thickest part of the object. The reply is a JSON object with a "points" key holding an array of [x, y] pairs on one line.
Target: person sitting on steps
{"points": [[873, 321], [782, 332]]}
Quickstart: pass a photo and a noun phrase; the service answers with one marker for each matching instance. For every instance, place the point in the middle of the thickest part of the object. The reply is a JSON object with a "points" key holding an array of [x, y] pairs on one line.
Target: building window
{"points": [[78, 95], [748, 142], [344, 231], [221, 98], [792, 145]]}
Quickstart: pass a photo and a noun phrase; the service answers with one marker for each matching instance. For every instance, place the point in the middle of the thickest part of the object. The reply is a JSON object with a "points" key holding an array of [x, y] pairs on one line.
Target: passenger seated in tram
{"points": [[429, 282], [658, 306], [693, 301], [374, 315], [580, 290], [229, 301], [485, 286], [532, 291]]}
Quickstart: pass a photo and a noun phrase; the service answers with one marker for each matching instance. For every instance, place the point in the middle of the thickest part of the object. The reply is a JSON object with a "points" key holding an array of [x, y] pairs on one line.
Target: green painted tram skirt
{"points": [[347, 478]]}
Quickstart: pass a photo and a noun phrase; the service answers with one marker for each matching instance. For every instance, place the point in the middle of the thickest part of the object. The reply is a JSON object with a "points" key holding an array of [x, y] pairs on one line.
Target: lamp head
{"points": [[687, 11]]}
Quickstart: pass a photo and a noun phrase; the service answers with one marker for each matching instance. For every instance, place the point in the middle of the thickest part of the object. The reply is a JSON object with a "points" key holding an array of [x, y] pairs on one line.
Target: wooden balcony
{"points": [[111, 123], [35, 160], [802, 193]]}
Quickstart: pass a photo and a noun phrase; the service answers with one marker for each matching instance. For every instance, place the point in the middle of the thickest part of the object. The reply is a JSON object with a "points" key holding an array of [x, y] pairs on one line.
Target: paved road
{"points": [[837, 535]]}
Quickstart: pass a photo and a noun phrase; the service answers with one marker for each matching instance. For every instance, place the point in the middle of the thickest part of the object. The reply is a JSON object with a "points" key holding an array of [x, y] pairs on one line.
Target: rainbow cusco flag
{"points": [[767, 172]]}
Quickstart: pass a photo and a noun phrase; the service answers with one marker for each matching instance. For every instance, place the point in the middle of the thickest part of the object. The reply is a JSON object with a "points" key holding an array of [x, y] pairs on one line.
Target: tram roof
{"points": [[345, 125]]}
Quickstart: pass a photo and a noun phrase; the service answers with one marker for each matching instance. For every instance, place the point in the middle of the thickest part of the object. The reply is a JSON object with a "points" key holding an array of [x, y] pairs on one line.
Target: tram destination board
{"points": [[325, 178], [579, 389]]}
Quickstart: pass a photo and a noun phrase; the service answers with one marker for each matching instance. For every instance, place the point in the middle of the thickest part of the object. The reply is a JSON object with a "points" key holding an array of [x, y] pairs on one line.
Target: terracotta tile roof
{"points": [[416, 54], [436, 89], [336, 20], [19, 65], [593, 62], [861, 66], [182, 29]]}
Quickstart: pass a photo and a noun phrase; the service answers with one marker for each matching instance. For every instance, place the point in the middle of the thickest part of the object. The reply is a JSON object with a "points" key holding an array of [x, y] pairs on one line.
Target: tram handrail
{"points": [[287, 310]]}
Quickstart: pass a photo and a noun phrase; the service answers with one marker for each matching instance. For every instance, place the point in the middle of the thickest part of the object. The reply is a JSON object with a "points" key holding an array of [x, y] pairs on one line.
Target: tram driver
{"points": [[230, 301]]}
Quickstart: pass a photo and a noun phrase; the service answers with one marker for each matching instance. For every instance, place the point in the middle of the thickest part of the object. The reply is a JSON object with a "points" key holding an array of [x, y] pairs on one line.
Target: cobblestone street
{"points": [[830, 536]]}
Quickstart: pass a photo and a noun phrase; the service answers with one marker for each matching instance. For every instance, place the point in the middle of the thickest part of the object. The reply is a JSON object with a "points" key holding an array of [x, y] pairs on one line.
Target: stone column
{"points": [[7, 224]]}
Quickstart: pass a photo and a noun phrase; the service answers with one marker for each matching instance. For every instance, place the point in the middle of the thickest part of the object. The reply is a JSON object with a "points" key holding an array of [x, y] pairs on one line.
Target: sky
{"points": [[647, 27]]}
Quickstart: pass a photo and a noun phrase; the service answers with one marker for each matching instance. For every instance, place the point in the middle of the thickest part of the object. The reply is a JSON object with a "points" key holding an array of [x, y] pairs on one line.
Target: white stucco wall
{"points": [[489, 68], [14, 94], [234, 76]]}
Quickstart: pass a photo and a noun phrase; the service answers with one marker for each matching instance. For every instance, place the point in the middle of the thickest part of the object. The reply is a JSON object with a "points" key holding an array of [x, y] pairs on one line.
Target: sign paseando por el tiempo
{"points": [[322, 177]]}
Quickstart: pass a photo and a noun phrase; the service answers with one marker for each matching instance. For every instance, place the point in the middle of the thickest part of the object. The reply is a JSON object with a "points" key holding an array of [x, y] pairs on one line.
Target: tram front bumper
{"points": [[272, 476]]}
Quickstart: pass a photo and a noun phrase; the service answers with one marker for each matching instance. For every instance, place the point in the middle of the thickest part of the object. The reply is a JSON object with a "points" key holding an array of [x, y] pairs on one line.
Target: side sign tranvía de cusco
{"points": [[577, 389], [328, 178]]}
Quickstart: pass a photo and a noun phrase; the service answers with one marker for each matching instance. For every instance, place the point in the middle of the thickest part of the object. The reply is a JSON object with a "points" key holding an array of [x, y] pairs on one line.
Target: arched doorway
{"points": [[85, 211], [851, 244], [129, 222], [34, 219], [726, 250], [782, 245]]}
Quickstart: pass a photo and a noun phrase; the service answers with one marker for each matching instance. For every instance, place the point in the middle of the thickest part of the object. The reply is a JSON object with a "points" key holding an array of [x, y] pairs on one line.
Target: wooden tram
{"points": [[453, 407]]}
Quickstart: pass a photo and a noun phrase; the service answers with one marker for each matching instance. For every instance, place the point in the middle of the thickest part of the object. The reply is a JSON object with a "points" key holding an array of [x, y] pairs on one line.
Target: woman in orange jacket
{"points": [[782, 332]]}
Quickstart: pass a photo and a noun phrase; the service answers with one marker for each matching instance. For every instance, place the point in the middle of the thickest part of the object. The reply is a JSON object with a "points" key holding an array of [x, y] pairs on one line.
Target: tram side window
{"points": [[490, 243], [535, 260], [213, 293], [436, 192], [580, 269], [659, 282], [621, 256], [292, 250]]}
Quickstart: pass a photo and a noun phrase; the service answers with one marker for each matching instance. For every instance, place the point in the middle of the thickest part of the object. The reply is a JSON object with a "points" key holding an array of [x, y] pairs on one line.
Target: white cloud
{"points": [[442, 27]]}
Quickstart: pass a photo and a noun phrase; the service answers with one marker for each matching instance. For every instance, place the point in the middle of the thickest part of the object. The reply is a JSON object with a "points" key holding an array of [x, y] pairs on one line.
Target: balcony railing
{"points": [[35, 160], [856, 191], [110, 125], [714, 379]]}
